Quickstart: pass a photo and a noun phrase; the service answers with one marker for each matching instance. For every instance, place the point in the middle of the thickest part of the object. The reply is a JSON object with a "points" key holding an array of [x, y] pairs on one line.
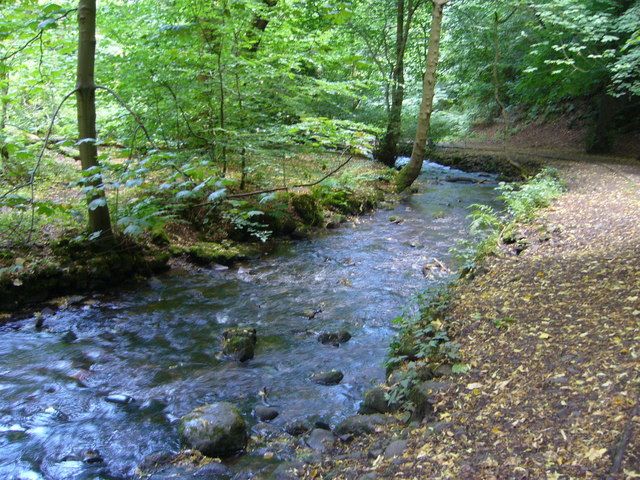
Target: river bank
{"points": [[68, 266], [549, 333]]}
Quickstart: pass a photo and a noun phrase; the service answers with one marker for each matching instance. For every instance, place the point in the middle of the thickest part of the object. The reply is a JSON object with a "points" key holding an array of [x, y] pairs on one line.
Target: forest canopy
{"points": [[196, 99]]}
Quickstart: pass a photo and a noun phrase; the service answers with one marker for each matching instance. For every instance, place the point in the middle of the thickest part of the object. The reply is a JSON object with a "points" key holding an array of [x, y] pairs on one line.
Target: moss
{"points": [[77, 267], [307, 208], [224, 253], [347, 201], [279, 215]]}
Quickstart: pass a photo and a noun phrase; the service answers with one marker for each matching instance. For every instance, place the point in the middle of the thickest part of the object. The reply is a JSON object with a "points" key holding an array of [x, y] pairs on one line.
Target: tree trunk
{"points": [[411, 171], [99, 221], [4, 92], [388, 150]]}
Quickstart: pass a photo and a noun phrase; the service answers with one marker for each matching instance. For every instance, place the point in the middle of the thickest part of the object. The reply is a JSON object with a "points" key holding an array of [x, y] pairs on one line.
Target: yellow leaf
{"points": [[594, 454], [544, 335]]}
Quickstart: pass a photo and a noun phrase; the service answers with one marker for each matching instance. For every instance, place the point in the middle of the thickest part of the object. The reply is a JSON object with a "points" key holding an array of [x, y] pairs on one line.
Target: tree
{"points": [[99, 220], [411, 171], [388, 150]]}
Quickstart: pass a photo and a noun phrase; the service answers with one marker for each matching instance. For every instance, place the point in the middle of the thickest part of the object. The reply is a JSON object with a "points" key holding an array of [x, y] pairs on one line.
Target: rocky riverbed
{"points": [[105, 388]]}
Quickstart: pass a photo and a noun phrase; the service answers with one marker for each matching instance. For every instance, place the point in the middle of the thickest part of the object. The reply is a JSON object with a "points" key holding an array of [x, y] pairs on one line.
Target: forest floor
{"points": [[553, 338]]}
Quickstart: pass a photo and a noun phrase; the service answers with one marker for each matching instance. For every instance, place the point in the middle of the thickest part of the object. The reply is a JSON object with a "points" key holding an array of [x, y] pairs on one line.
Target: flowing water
{"points": [[162, 341]]}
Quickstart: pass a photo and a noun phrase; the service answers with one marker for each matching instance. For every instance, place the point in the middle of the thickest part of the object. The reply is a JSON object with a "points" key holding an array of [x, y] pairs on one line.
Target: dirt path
{"points": [[555, 393]]}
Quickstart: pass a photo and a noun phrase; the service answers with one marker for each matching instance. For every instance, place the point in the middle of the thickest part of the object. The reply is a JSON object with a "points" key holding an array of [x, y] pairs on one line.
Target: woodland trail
{"points": [[553, 338]]}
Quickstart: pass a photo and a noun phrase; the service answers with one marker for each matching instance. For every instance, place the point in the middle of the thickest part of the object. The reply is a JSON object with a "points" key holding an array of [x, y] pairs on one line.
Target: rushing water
{"points": [[162, 340]]}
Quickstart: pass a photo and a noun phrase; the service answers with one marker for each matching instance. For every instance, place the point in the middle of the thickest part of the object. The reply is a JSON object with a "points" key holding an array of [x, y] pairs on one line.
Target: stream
{"points": [[160, 343]]}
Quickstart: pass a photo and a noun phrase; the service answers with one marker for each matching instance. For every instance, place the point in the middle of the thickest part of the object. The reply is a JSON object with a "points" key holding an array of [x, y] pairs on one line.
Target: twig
{"points": [[140, 124], [302, 185], [128, 109], [625, 438], [32, 176], [34, 38], [285, 188]]}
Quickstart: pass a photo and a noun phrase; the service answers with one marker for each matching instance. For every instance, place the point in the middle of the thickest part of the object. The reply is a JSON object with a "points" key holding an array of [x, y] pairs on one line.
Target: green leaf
{"points": [[460, 368], [97, 203]]}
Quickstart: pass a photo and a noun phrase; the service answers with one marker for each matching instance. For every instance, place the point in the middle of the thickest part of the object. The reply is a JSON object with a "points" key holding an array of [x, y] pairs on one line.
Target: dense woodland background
{"points": [[200, 100]]}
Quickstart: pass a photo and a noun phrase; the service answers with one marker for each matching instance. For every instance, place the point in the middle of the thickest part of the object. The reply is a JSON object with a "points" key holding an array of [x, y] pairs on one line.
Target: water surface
{"points": [[162, 341]]}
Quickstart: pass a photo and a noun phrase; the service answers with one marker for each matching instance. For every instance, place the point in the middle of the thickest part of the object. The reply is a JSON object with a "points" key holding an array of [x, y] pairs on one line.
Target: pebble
{"points": [[119, 398]]}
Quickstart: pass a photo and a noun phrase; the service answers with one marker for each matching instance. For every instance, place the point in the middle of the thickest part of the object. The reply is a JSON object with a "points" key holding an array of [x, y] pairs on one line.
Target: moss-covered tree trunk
{"points": [[99, 221], [411, 171]]}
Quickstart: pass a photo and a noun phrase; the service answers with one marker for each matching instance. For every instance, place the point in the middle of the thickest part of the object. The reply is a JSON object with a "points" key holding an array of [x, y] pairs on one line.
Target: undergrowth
{"points": [[423, 343], [489, 227]]}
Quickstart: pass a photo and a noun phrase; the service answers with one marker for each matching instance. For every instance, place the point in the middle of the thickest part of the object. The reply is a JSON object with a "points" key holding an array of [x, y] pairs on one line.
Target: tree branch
{"points": [[32, 176], [35, 37], [286, 188]]}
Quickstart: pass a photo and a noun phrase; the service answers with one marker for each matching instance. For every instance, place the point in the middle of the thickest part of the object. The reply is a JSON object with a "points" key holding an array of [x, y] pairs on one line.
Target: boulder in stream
{"points": [[334, 338], [265, 413], [239, 343], [216, 430], [332, 377]]}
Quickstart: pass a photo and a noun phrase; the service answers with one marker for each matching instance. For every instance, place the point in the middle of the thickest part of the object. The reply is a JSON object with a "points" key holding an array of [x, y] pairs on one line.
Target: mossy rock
{"points": [[78, 271], [239, 343], [216, 430], [307, 208], [347, 201], [224, 253]]}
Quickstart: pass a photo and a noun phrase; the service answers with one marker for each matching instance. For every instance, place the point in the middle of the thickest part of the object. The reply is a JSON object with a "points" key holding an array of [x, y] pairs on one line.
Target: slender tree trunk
{"points": [[411, 171], [388, 150], [222, 114], [389, 147], [496, 76], [4, 105], [99, 220]]}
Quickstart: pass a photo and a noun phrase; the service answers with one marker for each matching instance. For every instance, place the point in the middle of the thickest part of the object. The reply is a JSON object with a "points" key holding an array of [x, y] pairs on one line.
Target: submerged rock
{"points": [[239, 343], [332, 377], [362, 424], [69, 337], [265, 413], [92, 457], [153, 405], [334, 338], [216, 430]]}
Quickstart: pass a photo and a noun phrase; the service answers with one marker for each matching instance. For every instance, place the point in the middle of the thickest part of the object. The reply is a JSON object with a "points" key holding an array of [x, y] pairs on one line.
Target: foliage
{"points": [[226, 88], [422, 344], [488, 228]]}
